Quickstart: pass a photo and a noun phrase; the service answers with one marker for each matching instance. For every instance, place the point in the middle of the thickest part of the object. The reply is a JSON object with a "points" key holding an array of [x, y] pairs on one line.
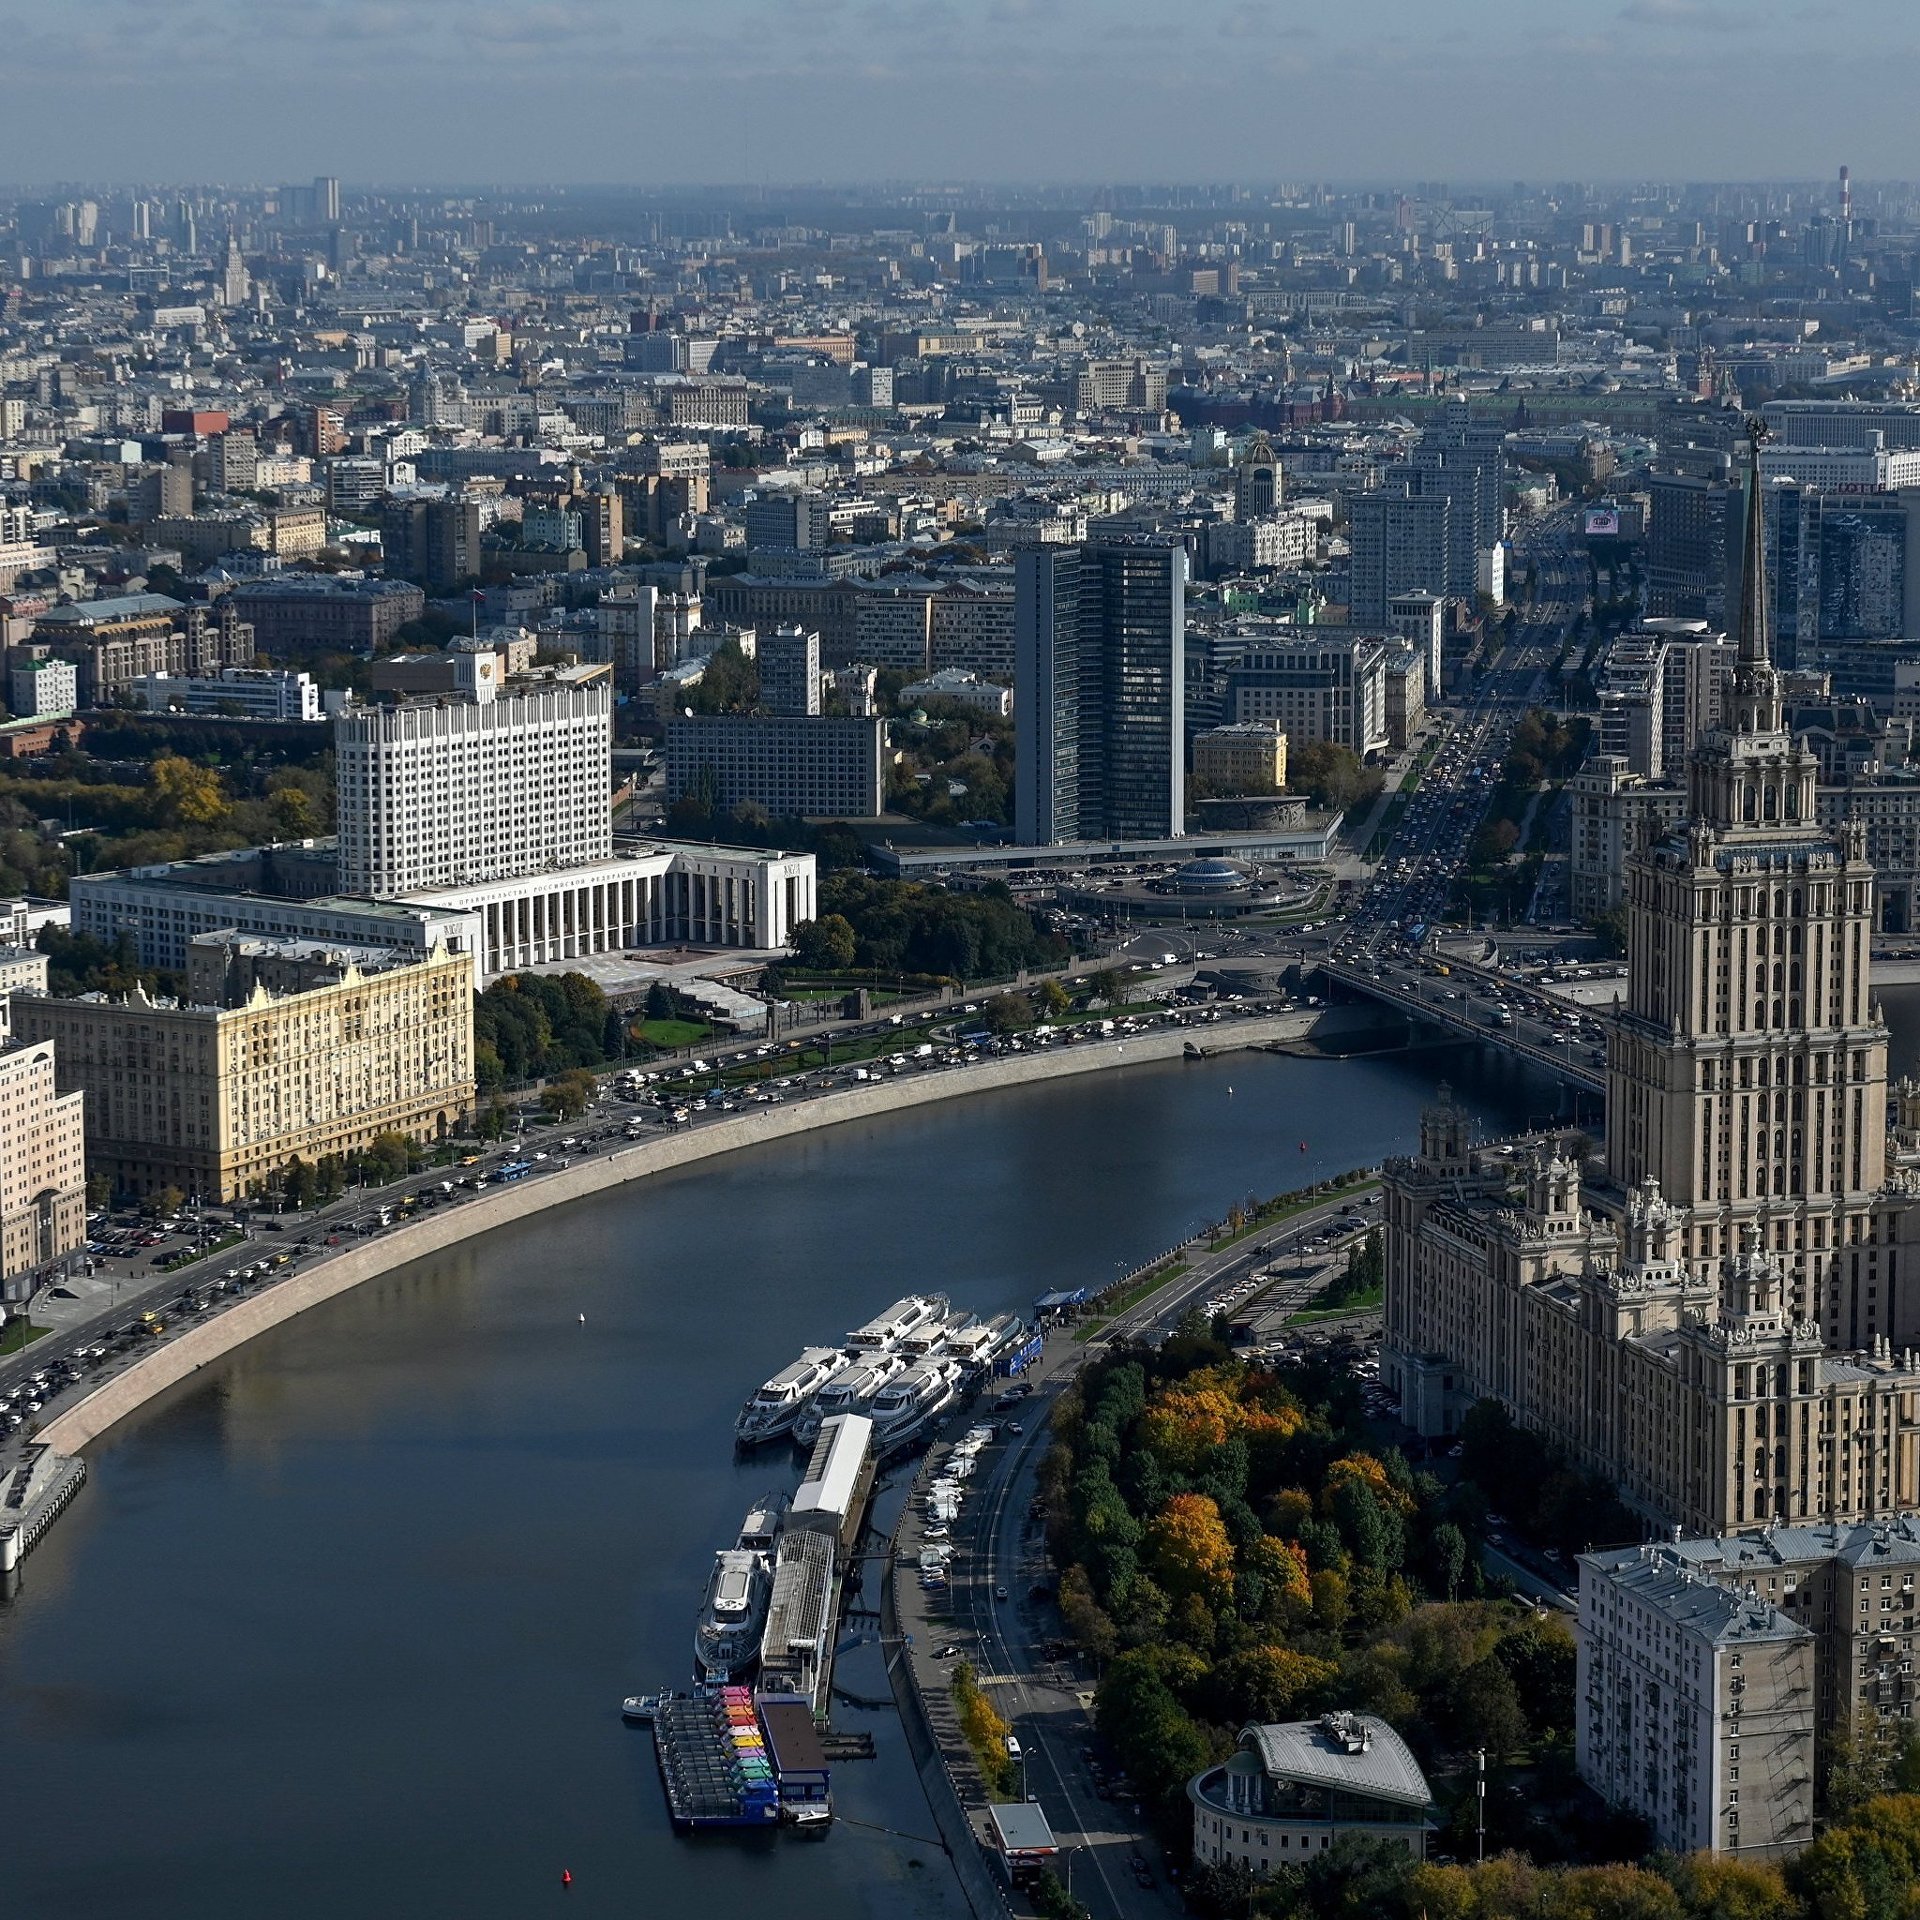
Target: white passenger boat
{"points": [[907, 1406], [771, 1411], [934, 1336], [726, 1641], [852, 1390], [886, 1331]]}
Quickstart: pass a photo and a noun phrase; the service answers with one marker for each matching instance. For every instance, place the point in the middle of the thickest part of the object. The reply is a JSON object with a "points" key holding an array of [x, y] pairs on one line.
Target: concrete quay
{"points": [[182, 1354]]}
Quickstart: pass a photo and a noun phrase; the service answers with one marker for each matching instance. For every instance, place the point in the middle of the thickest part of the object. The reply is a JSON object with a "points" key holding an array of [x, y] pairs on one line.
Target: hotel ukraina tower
{"points": [[1718, 1324]]}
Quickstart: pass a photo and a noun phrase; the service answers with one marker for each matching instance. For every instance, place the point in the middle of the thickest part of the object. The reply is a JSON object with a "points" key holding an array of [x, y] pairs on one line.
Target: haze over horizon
{"points": [[775, 91]]}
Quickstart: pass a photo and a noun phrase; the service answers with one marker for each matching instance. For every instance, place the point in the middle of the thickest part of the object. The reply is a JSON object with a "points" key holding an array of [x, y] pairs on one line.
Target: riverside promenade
{"points": [[318, 1277]]}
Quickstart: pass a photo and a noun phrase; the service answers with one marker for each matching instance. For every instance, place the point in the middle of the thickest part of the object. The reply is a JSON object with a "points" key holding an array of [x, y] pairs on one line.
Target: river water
{"points": [[339, 1627]]}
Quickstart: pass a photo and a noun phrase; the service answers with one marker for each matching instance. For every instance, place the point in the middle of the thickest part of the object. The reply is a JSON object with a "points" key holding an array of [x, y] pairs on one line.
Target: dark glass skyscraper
{"points": [[1099, 694]]}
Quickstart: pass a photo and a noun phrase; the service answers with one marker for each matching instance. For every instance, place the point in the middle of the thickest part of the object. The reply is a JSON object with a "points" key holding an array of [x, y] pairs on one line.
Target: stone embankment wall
{"points": [[186, 1353]]}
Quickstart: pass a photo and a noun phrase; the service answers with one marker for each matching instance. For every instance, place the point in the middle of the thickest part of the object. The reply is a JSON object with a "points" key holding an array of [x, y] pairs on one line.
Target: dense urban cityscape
{"points": [[551, 734]]}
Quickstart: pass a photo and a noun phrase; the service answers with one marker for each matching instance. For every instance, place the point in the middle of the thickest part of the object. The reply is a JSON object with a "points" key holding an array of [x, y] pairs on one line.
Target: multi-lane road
{"points": [[1414, 879]]}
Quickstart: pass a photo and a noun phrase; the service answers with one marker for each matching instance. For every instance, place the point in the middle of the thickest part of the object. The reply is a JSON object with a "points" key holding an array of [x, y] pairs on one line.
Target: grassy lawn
{"points": [[16, 1335], [1131, 1297], [1367, 1302], [673, 1033], [180, 1260], [1263, 1218]]}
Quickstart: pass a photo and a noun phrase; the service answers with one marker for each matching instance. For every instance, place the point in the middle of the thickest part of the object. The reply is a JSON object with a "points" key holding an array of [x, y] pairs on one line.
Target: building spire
{"points": [[1756, 648], [1755, 706]]}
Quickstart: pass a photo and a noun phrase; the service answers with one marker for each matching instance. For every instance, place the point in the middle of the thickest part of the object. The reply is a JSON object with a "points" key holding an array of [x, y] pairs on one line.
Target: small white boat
{"points": [[641, 1707]]}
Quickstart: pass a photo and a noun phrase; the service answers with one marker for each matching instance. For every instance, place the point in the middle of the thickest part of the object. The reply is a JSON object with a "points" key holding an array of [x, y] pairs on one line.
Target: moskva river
{"points": [[341, 1626]]}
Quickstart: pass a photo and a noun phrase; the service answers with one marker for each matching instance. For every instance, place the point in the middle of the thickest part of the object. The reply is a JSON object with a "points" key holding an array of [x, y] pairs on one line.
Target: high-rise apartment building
{"points": [[1465, 464], [1317, 683], [1420, 619], [43, 1174], [789, 661], [1842, 566], [796, 766], [1687, 521], [1100, 707], [433, 542], [1694, 1705], [1257, 483], [446, 793], [1401, 543], [233, 460], [790, 519], [1481, 448]]}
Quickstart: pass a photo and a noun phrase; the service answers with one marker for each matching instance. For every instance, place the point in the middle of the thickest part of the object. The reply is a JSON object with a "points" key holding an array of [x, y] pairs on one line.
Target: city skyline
{"points": [[836, 90]]}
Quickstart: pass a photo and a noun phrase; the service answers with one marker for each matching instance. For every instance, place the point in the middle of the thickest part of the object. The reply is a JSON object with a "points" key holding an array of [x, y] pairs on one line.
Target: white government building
{"points": [[482, 819]]}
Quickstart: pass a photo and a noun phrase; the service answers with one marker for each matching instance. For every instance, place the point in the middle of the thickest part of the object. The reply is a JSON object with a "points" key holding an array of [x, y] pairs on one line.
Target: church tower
{"points": [[1747, 1070]]}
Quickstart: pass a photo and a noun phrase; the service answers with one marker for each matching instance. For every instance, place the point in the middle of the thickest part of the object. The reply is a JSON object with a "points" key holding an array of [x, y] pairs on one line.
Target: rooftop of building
{"points": [[1664, 1577], [101, 613], [292, 586], [1892, 1541], [1351, 1752]]}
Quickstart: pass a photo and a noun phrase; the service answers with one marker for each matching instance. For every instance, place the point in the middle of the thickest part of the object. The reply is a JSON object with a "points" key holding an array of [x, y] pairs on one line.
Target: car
{"points": [[1000, 1593], [1013, 1746]]}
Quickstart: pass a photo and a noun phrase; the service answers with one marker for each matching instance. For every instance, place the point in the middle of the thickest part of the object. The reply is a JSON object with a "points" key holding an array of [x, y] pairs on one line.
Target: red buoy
{"points": [[1303, 1146], [566, 1876]]}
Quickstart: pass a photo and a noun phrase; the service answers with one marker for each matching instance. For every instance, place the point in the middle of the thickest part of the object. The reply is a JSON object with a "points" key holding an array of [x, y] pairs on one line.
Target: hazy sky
{"points": [[776, 90]]}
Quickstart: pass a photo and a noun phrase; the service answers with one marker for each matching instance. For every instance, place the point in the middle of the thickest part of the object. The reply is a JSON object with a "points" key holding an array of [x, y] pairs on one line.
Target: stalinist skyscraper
{"points": [[1718, 1325], [1748, 1070]]}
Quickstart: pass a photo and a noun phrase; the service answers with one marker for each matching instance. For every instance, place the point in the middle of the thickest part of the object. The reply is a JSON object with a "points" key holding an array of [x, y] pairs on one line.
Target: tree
{"points": [[186, 795], [1052, 1901], [568, 1093], [1331, 775], [1008, 1013], [1272, 1683], [660, 1002], [1109, 984], [1085, 1620], [1616, 1892], [1447, 1550], [825, 945], [1187, 1548], [1486, 1709], [1611, 928], [294, 815], [296, 1183], [1053, 999], [1714, 1887], [387, 1157]]}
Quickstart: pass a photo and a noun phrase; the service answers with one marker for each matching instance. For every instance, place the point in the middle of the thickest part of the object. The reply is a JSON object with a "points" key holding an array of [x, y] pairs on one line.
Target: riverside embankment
{"points": [[185, 1353]]}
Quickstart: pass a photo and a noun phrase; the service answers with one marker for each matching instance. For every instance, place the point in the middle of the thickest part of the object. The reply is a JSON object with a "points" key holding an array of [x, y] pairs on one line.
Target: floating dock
{"points": [[714, 1762]]}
